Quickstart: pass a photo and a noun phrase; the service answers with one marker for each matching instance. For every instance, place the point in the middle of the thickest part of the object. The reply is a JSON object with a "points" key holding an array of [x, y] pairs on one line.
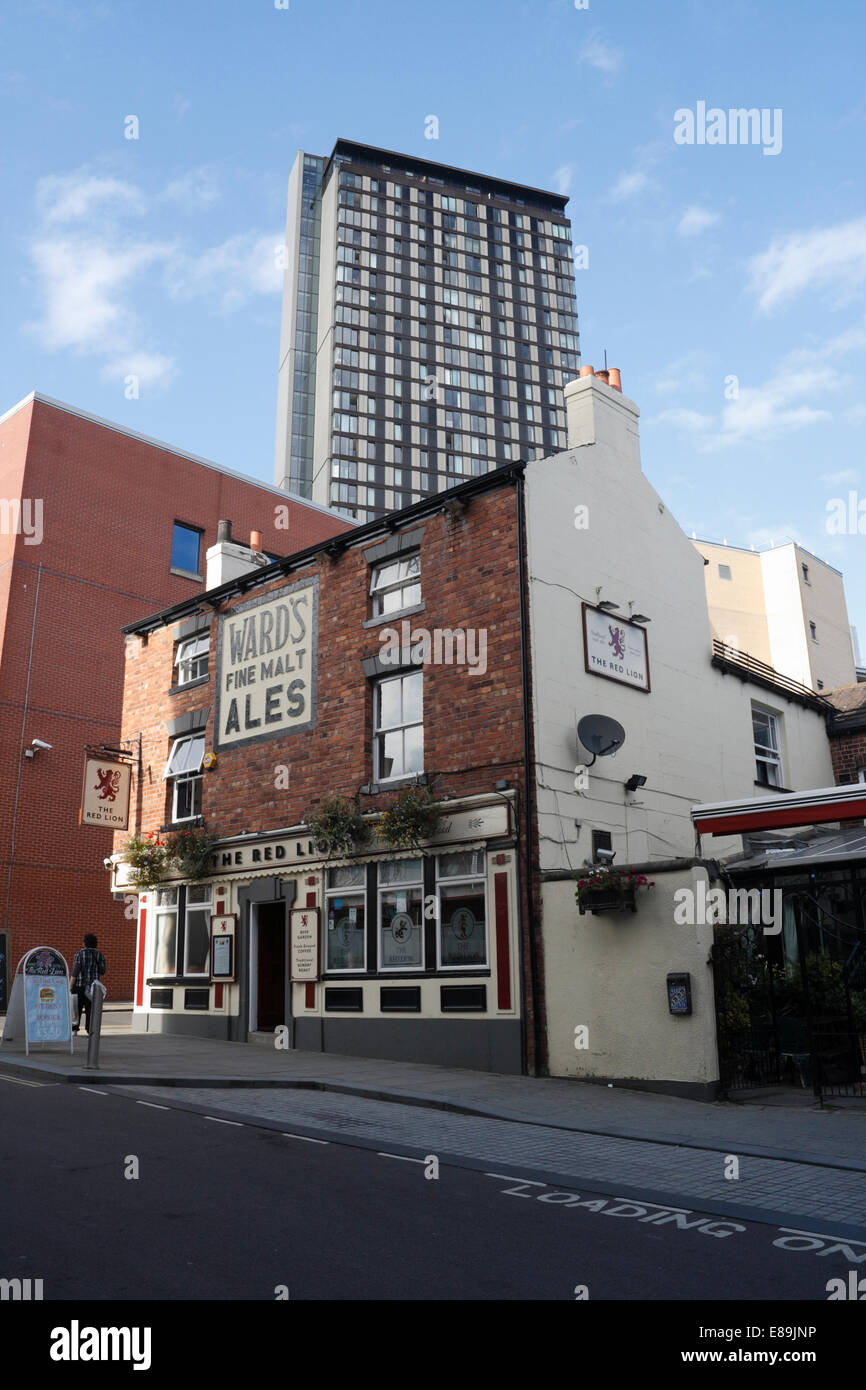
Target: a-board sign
{"points": [[305, 944], [40, 1005]]}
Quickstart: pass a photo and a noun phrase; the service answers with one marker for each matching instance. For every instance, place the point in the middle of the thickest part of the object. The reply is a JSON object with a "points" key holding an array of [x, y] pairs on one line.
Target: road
{"points": [[227, 1211]]}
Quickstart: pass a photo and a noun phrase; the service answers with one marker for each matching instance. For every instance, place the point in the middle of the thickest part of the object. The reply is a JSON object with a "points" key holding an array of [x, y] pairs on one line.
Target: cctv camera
{"points": [[106, 863], [606, 856], [39, 743]]}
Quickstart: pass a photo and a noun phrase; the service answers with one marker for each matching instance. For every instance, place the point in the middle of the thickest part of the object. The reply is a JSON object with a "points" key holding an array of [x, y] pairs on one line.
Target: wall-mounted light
{"points": [[607, 605], [639, 618], [636, 780]]}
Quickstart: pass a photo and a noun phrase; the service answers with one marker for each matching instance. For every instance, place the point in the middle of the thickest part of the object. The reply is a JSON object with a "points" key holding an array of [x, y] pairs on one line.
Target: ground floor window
{"points": [[462, 916], [346, 918], [165, 932], [401, 902], [197, 929]]}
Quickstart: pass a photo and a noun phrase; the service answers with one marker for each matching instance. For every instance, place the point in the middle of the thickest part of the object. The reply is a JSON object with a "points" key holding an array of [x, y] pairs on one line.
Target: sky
{"points": [[725, 279]]}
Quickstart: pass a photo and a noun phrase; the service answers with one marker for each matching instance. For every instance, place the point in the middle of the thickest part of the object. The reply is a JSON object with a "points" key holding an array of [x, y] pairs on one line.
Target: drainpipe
{"points": [[528, 776]]}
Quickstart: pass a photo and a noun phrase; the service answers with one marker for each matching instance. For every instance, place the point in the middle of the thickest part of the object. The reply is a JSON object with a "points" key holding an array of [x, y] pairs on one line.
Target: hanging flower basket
{"points": [[337, 827], [413, 816], [190, 852], [147, 859], [609, 890]]}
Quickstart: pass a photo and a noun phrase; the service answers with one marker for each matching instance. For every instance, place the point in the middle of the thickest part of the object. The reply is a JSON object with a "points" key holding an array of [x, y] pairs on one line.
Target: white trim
{"points": [[171, 449]]}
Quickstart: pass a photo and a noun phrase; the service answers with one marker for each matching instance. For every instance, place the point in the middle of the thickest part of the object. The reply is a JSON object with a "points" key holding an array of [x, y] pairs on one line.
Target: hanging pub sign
{"points": [[105, 792], [266, 666], [615, 649], [305, 944]]}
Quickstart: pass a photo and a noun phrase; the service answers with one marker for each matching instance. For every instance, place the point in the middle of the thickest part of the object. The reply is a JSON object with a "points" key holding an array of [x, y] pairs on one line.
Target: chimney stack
{"points": [[229, 559], [599, 413]]}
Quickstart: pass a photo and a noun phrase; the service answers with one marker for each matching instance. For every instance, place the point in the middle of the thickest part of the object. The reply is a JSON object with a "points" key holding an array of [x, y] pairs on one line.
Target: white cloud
{"points": [[82, 283], [562, 178], [600, 55], [628, 185], [75, 197], [780, 406], [844, 475], [685, 372], [150, 368], [683, 419], [830, 257], [245, 264], [195, 189], [695, 220]]}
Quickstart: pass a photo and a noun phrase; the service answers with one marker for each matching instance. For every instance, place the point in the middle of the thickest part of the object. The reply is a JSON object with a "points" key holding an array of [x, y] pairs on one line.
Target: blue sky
{"points": [[706, 262]]}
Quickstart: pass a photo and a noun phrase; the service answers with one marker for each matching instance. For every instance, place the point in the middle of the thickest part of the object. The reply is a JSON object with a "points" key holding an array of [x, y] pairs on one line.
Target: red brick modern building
{"points": [[98, 526], [389, 658]]}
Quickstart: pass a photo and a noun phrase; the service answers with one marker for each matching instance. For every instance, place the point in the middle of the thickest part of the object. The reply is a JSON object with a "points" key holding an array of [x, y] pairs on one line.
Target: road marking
{"points": [[151, 1105], [306, 1138], [510, 1178], [92, 1091], [217, 1121], [402, 1157], [19, 1081]]}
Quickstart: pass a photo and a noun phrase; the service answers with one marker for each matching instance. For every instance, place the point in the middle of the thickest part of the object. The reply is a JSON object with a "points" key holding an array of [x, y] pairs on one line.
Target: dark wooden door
{"points": [[271, 966]]}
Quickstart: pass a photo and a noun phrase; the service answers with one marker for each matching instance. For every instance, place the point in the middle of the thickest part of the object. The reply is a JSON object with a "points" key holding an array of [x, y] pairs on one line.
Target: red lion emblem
{"points": [[617, 641], [108, 784]]}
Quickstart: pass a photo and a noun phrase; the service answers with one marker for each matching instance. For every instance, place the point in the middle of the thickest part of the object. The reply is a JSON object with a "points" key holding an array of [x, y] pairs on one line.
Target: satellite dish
{"points": [[600, 735]]}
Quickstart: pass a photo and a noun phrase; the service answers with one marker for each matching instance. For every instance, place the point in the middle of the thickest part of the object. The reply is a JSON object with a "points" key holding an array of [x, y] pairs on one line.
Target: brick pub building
{"points": [[318, 683], [98, 526]]}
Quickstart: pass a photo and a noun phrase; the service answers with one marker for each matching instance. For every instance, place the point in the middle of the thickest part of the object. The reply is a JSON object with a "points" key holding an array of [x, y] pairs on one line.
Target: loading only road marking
{"points": [[789, 1238]]}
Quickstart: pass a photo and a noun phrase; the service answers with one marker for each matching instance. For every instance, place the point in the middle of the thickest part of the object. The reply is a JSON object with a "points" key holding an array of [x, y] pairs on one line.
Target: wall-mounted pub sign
{"points": [[266, 666], [615, 649], [105, 792]]}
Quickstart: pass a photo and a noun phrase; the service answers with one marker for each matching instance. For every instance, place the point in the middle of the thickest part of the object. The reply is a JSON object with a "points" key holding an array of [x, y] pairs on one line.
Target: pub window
{"points": [[186, 548], [165, 931], [345, 904], [192, 659], [400, 907], [398, 727], [768, 756], [462, 918], [183, 771], [196, 949]]}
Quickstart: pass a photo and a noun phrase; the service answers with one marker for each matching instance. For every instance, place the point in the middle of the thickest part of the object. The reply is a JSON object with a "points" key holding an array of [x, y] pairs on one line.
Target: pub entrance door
{"points": [[270, 927]]}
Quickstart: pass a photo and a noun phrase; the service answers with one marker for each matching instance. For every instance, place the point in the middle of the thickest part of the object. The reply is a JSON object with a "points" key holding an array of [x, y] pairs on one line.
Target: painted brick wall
{"points": [[109, 504]]}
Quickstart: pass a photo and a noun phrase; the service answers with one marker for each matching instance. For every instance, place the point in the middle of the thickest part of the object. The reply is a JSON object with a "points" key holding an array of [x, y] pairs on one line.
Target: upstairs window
{"points": [[186, 549], [396, 584], [183, 772], [192, 659], [398, 727], [768, 757]]}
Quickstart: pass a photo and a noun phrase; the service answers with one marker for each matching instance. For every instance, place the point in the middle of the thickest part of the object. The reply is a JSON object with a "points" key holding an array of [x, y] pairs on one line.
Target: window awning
{"points": [[775, 812]]}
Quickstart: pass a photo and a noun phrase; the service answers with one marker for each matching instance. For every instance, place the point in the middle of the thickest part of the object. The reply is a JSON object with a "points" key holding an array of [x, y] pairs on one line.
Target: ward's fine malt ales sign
{"points": [[266, 666]]}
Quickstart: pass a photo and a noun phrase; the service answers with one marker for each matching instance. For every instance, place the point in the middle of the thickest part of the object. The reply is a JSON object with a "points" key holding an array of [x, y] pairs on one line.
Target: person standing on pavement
{"points": [[88, 965]]}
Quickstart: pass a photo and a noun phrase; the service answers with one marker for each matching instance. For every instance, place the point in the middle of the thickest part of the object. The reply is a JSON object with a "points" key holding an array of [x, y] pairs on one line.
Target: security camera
{"points": [[106, 863], [606, 856], [39, 743]]}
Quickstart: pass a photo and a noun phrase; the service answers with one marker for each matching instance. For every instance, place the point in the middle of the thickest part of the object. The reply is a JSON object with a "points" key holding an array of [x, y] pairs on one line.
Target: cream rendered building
{"points": [[784, 607], [598, 533]]}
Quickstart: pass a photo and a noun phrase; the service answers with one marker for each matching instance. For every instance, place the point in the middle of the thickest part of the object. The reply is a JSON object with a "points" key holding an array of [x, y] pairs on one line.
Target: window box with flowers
{"points": [[147, 858], [190, 852], [609, 890]]}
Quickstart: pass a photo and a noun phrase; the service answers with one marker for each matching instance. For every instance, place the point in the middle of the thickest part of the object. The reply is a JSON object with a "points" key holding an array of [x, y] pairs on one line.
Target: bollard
{"points": [[96, 994]]}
